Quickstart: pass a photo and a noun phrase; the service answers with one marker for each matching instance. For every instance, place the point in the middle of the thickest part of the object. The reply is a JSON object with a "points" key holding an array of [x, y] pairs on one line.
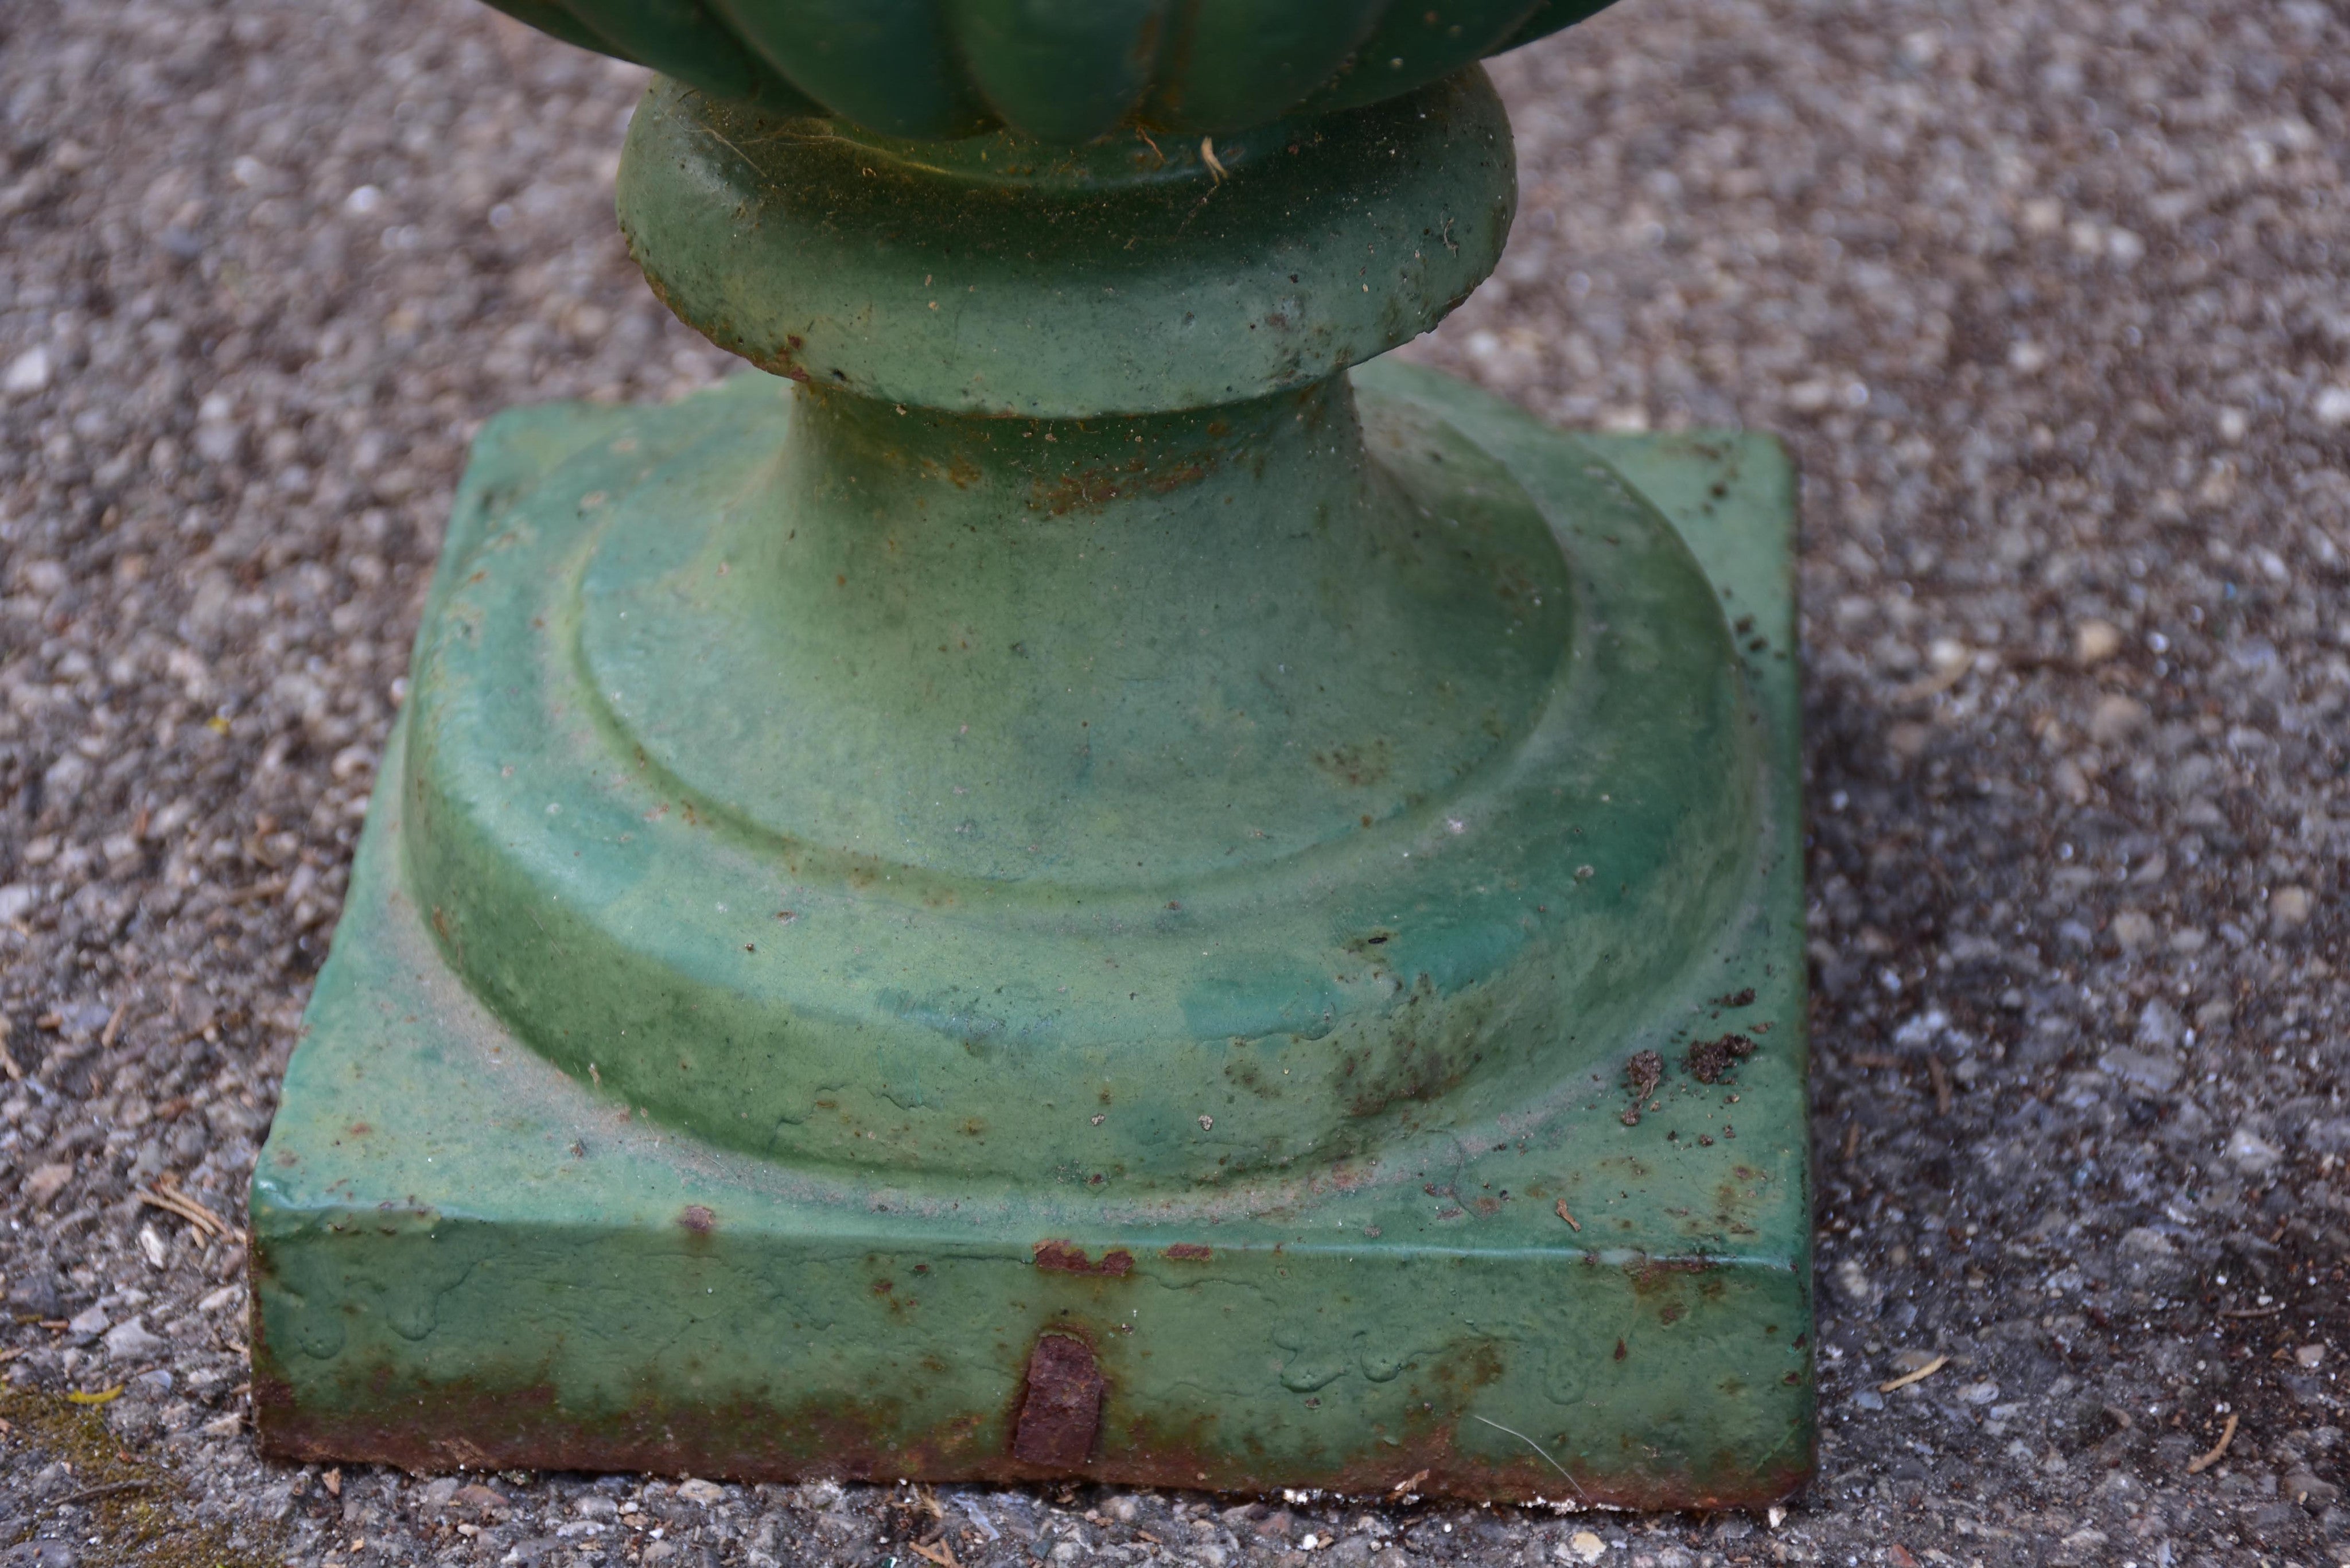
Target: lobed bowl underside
{"points": [[1064, 71]]}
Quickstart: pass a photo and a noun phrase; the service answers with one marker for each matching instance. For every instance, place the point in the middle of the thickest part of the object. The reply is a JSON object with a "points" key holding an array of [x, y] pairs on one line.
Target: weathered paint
{"points": [[510, 1265], [1008, 279], [1067, 888]]}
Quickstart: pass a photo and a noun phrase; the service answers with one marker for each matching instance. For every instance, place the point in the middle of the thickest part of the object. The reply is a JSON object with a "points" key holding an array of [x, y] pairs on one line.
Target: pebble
{"points": [[2155, 1071], [28, 373], [133, 1341], [2095, 641], [2117, 719], [2253, 1154]]}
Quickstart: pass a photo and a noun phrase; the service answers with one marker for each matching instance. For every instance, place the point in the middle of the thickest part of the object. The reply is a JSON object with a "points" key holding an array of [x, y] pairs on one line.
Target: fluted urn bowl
{"points": [[1058, 71]]}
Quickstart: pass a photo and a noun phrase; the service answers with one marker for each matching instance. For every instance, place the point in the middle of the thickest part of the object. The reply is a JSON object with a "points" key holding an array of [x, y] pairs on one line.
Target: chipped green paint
{"points": [[1066, 886]]}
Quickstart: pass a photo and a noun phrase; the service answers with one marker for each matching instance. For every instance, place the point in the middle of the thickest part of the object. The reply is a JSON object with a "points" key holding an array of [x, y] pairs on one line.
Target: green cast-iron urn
{"points": [[1083, 877]]}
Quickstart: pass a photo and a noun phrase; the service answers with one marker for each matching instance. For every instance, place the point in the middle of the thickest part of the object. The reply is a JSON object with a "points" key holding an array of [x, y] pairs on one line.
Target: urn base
{"points": [[1579, 1271]]}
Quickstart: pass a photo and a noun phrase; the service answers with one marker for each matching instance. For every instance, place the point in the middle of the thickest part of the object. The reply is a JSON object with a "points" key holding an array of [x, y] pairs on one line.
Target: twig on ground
{"points": [[2197, 1466], [166, 1195], [1919, 1376]]}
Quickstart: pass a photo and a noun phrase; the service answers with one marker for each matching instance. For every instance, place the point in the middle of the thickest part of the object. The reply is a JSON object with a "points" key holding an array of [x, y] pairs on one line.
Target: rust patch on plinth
{"points": [[1060, 1414], [1060, 1258]]}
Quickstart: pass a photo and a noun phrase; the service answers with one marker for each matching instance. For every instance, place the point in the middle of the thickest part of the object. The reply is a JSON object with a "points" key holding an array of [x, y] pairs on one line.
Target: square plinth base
{"points": [[462, 1258]]}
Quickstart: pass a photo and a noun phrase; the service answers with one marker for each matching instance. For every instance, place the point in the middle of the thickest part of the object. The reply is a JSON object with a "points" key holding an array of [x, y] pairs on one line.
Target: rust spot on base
{"points": [[1190, 1253], [698, 1219], [1061, 1413], [1063, 1258]]}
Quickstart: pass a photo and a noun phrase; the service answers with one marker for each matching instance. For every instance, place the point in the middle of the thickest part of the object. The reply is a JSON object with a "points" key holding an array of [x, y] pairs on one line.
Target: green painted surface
{"points": [[1059, 71], [1066, 885], [466, 1255], [913, 824], [995, 276]]}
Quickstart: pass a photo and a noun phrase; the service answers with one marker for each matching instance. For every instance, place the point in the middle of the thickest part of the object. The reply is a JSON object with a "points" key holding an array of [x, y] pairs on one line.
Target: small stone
{"points": [[2158, 1026], [700, 1492], [90, 1320], [1985, 1393], [45, 1182], [153, 1248], [2133, 929], [84, 1019], [2250, 1153], [1582, 1546], [2309, 1357], [2095, 641], [2116, 718], [2156, 1072], [2332, 406], [28, 373], [2150, 1261], [37, 1295], [479, 1498], [2289, 908], [132, 1340], [16, 902]]}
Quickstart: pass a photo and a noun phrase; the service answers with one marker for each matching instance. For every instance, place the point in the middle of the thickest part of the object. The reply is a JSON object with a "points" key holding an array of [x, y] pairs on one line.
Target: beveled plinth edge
{"points": [[463, 1257]]}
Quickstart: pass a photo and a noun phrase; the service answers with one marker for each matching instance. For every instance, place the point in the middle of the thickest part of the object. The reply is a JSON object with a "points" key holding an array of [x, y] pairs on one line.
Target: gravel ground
{"points": [[2048, 295]]}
